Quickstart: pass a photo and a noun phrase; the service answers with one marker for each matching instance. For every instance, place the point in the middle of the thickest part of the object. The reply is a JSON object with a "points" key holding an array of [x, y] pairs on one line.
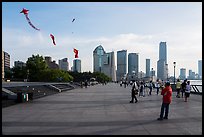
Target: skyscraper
{"points": [[98, 59], [163, 51], [104, 62], [109, 65], [133, 61], [121, 64], [77, 65], [64, 64], [182, 73], [162, 67], [147, 67], [200, 68]]}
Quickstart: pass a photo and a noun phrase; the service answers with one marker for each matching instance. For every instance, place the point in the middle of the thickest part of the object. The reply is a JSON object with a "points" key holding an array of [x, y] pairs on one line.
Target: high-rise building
{"points": [[64, 64], [190, 74], [121, 64], [133, 61], [104, 62], [200, 68], [182, 73], [98, 59], [163, 51], [162, 67], [77, 65], [147, 67], [6, 61], [109, 65], [51, 64], [19, 64]]}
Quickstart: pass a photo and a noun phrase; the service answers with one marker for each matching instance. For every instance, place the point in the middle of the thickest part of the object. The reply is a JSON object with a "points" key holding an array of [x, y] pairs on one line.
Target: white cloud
{"points": [[184, 47]]}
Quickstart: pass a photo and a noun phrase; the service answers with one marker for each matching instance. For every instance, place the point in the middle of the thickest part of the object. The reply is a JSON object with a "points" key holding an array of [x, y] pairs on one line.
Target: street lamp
{"points": [[174, 71]]}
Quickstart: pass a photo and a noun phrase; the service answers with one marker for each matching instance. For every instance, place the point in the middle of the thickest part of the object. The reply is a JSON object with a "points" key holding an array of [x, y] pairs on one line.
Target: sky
{"points": [[137, 27]]}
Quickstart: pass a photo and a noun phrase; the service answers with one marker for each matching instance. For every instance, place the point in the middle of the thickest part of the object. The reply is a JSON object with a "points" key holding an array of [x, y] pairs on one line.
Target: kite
{"points": [[25, 12], [76, 53], [73, 20], [53, 39]]}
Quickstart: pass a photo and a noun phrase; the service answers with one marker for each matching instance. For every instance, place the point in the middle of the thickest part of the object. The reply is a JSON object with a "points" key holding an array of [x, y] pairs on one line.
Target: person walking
{"points": [[141, 89], [183, 87], [150, 87], [86, 84], [178, 88], [167, 97], [187, 91], [157, 86], [134, 91]]}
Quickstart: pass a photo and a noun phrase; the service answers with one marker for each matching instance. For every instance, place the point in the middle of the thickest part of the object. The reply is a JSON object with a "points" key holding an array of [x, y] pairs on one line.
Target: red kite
{"points": [[76, 53], [25, 12], [53, 39]]}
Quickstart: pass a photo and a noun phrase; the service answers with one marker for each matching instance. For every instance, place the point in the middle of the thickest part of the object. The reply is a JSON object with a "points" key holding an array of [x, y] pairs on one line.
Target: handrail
{"points": [[196, 89]]}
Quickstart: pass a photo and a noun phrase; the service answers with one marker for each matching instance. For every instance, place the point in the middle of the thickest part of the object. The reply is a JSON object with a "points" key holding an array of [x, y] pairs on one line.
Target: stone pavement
{"points": [[102, 110]]}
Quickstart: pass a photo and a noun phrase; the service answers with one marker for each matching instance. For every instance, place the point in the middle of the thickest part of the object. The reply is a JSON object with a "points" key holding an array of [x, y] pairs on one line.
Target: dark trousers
{"points": [[133, 97], [150, 91], [166, 107], [178, 92], [157, 90], [183, 92]]}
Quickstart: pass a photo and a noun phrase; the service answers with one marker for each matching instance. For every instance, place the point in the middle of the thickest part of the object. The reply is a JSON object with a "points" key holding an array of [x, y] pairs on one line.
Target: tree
{"points": [[35, 65], [19, 72]]}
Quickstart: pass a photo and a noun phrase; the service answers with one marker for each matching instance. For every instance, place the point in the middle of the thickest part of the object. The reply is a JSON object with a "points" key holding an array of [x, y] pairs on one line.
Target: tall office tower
{"points": [[147, 67], [104, 62], [163, 51], [200, 68], [162, 67], [190, 72], [64, 64], [133, 61], [182, 73], [77, 65], [6, 61], [19, 64], [2, 65], [98, 59], [109, 65], [121, 64]]}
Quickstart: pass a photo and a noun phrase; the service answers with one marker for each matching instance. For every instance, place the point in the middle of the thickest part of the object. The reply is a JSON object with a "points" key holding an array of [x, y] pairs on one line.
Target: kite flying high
{"points": [[53, 39], [76, 53], [73, 20], [25, 12]]}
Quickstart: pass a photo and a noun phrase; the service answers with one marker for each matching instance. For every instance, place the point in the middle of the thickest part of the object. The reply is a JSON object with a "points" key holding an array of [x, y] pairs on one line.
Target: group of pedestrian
{"points": [[183, 88]]}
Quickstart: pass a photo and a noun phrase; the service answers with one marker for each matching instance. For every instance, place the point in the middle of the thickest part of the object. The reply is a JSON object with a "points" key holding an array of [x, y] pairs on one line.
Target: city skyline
{"points": [[136, 27]]}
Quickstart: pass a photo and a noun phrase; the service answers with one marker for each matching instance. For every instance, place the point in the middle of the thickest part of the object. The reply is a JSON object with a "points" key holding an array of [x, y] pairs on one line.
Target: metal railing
{"points": [[197, 89]]}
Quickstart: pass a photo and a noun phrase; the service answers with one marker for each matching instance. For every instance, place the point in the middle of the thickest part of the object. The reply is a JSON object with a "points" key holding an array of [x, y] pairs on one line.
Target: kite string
{"points": [[26, 15]]}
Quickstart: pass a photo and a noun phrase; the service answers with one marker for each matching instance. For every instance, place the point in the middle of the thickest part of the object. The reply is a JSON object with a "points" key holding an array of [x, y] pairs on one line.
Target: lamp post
{"points": [[174, 71]]}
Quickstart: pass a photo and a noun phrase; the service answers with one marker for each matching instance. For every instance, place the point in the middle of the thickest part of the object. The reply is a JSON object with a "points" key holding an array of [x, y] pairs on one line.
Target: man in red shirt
{"points": [[167, 95]]}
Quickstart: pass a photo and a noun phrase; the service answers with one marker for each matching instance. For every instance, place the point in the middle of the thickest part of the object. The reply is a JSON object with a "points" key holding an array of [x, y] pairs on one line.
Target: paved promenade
{"points": [[102, 110]]}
